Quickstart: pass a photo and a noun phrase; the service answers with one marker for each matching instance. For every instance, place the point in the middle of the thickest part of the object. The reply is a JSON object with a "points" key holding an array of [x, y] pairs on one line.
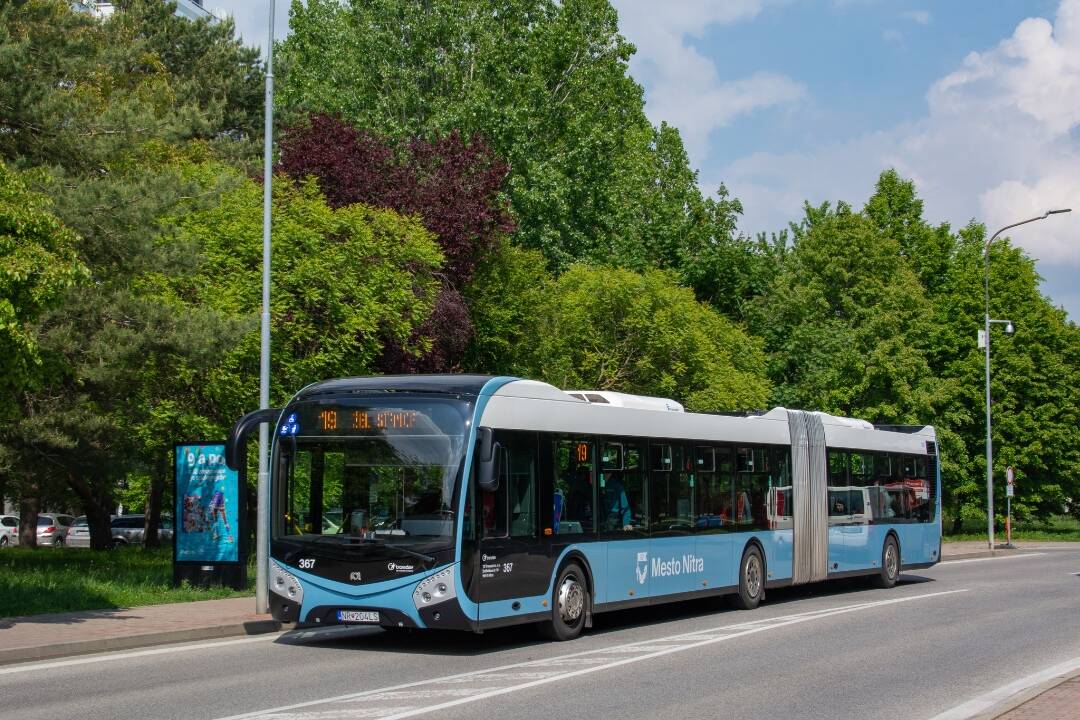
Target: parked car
{"points": [[52, 529], [9, 530], [129, 529], [79, 535]]}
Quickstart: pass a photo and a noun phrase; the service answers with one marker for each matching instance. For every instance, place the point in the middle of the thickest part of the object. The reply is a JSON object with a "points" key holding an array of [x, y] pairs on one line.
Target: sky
{"points": [[785, 101]]}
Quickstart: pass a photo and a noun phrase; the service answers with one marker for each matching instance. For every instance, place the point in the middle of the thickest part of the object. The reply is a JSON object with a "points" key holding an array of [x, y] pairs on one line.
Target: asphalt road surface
{"points": [[837, 650]]}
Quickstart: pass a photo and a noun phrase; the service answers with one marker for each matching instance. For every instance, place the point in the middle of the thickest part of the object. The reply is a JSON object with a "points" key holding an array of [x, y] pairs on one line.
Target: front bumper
{"points": [[428, 600]]}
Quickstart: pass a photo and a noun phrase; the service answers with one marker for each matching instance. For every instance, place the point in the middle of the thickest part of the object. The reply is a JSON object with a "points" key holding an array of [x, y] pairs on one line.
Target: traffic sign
{"points": [[1010, 475], [1009, 490]]}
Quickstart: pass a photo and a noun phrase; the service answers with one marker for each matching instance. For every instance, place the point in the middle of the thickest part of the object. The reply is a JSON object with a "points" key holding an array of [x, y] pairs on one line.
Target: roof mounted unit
{"points": [[617, 399]]}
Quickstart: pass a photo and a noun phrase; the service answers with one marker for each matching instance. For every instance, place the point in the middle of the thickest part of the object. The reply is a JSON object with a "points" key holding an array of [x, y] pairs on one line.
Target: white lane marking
{"points": [[999, 557], [104, 657], [988, 700], [690, 640]]}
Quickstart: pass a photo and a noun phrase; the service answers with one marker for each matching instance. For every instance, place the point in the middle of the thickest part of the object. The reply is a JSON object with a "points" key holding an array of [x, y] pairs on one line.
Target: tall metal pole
{"points": [[262, 539], [989, 437], [986, 340]]}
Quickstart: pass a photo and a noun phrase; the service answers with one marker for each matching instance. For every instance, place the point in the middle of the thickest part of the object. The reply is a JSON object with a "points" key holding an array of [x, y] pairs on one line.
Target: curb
{"points": [[1000, 552], [1024, 696], [85, 647]]}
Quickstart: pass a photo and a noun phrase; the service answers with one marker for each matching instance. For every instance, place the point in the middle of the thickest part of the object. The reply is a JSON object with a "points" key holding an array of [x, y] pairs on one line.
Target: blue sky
{"points": [[978, 101]]}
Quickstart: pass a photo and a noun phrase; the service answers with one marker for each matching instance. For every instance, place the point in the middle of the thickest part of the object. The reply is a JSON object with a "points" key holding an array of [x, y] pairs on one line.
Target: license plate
{"points": [[357, 616]]}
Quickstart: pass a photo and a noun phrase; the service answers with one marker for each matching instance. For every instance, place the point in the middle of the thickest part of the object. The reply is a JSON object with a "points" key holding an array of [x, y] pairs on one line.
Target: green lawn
{"points": [[50, 580], [1061, 528]]}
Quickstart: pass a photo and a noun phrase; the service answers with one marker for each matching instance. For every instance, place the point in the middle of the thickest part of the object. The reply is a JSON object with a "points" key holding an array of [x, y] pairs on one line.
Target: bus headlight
{"points": [[435, 589], [285, 584]]}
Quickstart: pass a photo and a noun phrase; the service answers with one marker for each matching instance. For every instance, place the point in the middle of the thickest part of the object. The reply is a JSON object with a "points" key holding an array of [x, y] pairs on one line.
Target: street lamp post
{"points": [[986, 344], [262, 540]]}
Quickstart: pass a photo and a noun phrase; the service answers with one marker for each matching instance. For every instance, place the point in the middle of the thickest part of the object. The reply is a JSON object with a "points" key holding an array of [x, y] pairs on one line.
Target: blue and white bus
{"points": [[473, 502]]}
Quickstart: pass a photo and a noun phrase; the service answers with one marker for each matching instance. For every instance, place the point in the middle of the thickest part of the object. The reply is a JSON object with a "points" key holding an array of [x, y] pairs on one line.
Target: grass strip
{"points": [[1057, 529], [51, 580]]}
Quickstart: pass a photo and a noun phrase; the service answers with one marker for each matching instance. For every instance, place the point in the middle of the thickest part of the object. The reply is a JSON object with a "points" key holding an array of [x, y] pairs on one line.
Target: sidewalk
{"points": [[1060, 702], [42, 637], [977, 548]]}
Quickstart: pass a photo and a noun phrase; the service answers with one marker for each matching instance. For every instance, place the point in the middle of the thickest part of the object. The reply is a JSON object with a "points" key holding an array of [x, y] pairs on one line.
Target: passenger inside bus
{"points": [[618, 514]]}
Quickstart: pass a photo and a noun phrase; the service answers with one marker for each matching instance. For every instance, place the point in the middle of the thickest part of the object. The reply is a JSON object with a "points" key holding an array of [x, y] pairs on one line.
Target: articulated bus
{"points": [[473, 502]]}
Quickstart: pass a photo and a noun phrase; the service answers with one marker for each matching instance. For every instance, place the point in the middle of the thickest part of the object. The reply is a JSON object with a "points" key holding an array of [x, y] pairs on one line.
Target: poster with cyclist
{"points": [[209, 510]]}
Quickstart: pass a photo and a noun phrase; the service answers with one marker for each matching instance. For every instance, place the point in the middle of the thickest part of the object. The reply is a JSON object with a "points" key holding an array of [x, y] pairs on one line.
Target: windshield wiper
{"points": [[347, 541], [407, 551]]}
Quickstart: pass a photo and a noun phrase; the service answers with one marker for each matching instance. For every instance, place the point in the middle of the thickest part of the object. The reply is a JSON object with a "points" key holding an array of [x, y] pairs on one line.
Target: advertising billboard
{"points": [[209, 512]]}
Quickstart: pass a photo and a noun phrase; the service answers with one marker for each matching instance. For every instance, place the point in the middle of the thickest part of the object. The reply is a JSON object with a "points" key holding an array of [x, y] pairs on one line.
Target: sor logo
{"points": [[355, 576]]}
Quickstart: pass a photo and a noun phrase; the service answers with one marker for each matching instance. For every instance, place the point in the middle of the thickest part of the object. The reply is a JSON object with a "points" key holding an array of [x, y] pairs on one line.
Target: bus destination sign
{"points": [[395, 421]]}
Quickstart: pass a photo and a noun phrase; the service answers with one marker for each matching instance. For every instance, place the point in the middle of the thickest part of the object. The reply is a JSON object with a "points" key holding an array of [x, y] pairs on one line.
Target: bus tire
{"points": [[569, 605], [889, 572], [751, 579]]}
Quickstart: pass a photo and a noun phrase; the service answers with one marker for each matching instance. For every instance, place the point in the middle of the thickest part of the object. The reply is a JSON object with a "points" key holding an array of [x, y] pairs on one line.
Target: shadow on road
{"points": [[451, 643]]}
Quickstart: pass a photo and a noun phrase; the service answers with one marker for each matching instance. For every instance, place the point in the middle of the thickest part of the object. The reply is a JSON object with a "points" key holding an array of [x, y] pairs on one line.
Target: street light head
{"points": [[1009, 329], [1058, 211]]}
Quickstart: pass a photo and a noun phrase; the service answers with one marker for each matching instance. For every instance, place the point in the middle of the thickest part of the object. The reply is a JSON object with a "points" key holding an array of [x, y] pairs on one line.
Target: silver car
{"points": [[9, 530], [79, 535], [52, 529], [129, 529]]}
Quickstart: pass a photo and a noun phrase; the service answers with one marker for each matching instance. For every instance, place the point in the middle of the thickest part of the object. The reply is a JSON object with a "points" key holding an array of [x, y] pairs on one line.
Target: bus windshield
{"points": [[354, 473]]}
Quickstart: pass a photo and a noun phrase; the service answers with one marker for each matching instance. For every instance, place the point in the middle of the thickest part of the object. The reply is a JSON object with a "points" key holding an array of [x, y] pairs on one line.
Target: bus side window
{"points": [[622, 489], [574, 497]]}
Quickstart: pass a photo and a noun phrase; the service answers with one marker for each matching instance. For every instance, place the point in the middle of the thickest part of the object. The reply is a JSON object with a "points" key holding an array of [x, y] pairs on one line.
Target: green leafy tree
{"points": [[504, 298], [844, 323], [346, 281], [1034, 378], [37, 264], [546, 83], [612, 329], [115, 110]]}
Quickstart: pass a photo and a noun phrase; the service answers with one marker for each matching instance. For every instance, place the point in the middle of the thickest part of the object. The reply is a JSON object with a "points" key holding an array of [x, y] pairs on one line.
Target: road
{"points": [[941, 637]]}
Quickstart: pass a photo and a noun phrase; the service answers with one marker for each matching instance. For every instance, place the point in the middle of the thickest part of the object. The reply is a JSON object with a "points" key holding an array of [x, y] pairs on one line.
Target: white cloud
{"points": [[921, 17], [1000, 142], [685, 87], [893, 37]]}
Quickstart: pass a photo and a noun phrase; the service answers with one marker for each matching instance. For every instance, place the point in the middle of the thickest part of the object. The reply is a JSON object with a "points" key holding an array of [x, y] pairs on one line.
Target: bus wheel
{"points": [[751, 579], [890, 564], [569, 603]]}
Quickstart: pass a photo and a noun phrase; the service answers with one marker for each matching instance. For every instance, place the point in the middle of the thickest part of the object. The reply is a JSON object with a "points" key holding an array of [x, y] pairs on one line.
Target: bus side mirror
{"points": [[236, 445], [488, 460]]}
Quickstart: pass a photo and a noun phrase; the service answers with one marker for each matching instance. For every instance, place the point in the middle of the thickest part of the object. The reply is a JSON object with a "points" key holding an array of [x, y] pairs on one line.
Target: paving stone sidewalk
{"points": [[1061, 702], [42, 637]]}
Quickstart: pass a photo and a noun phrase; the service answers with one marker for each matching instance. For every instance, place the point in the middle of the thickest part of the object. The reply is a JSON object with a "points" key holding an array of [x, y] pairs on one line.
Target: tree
{"points": [[873, 314], [346, 281], [115, 123], [37, 264], [454, 187], [544, 82], [505, 298], [606, 328], [844, 323], [1033, 382], [208, 65]]}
